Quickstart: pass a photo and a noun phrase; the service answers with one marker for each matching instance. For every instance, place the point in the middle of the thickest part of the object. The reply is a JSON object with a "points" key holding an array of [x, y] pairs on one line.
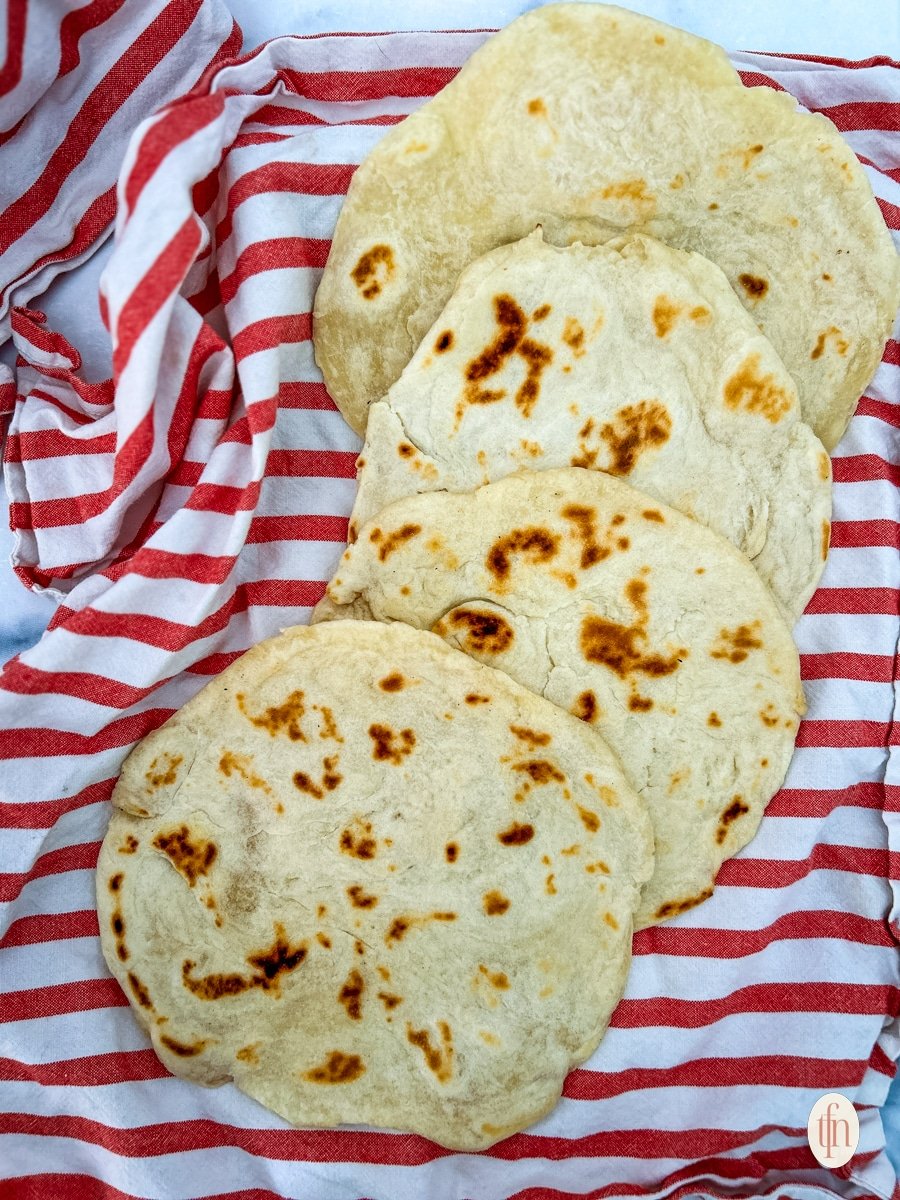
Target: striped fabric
{"points": [[205, 510]]}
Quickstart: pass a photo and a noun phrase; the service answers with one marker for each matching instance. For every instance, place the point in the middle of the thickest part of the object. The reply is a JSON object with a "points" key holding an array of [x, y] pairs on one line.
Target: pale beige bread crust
{"points": [[631, 358], [644, 623], [591, 121], [371, 880]]}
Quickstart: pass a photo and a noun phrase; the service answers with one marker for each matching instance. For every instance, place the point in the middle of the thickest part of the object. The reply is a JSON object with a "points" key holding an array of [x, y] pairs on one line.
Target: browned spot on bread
{"points": [[824, 466], [351, 995], [714, 720], [249, 1054], [769, 716], [401, 925], [373, 270], [393, 540], [826, 539], [597, 866], [532, 737], [392, 683], [573, 336], [736, 644], [712, 207], [635, 429], [329, 781], [451, 852], [736, 809], [589, 819], [270, 964], [329, 730], [630, 189], [279, 718], [162, 774], [357, 841], [444, 341], [652, 514], [747, 389], [583, 518], [485, 632], [751, 152], [540, 771], [509, 340], [324, 940], [337, 1068], [391, 746], [841, 344], [585, 707], [700, 315], [183, 1049], [497, 979], [240, 764], [129, 845], [535, 544], [438, 1059], [620, 648], [475, 698], [541, 312], [495, 903], [139, 991], [191, 859], [389, 1000], [537, 108], [405, 450], [359, 898], [665, 314], [516, 835], [549, 885], [754, 287], [673, 907], [639, 703], [677, 182], [610, 920]]}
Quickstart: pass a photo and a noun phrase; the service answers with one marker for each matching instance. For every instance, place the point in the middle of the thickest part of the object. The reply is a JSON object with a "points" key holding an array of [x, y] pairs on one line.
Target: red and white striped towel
{"points": [[197, 504]]}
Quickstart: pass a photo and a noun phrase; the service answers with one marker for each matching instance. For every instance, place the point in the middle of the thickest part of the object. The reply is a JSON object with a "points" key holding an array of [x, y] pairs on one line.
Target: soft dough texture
{"points": [[591, 121], [626, 613], [373, 881], [631, 358]]}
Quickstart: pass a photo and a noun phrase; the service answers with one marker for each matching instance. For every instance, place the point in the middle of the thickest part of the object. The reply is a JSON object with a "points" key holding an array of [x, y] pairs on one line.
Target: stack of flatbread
{"points": [[600, 312]]}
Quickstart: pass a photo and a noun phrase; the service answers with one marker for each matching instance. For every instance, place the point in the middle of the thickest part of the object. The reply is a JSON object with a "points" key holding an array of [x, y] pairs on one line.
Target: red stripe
{"points": [[16, 23], [49, 743], [74, 1186], [24, 680], [305, 395], [50, 927], [769, 1070], [864, 601], [740, 943], [891, 353], [757, 79], [865, 534], [168, 564], [861, 468], [803, 802], [76, 24], [175, 635], [864, 999], [160, 282], [97, 1070], [130, 70], [842, 735], [215, 664], [366, 1146], [882, 409], [54, 443], [870, 668], [43, 814], [176, 126], [890, 212], [224, 498], [864, 114], [304, 528], [344, 86], [329, 464], [55, 862], [54, 1000], [270, 332], [274, 254], [306, 179], [277, 114], [782, 872]]}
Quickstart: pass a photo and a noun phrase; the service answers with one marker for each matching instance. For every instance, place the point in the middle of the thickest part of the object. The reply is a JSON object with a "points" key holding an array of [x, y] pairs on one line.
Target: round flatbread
{"points": [[631, 358], [618, 123], [621, 610], [370, 880]]}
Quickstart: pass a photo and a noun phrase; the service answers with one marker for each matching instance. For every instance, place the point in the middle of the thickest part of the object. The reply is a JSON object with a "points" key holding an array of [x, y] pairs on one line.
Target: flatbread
{"points": [[631, 358], [621, 610], [590, 121], [373, 881]]}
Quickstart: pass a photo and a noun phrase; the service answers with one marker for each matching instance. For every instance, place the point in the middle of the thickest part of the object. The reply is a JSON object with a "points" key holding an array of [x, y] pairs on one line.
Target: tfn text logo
{"points": [[833, 1130]]}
